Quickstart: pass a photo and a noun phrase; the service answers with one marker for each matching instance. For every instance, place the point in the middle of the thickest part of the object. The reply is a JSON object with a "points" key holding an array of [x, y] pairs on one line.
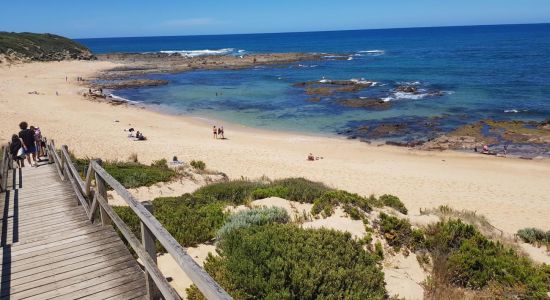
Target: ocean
{"points": [[460, 74]]}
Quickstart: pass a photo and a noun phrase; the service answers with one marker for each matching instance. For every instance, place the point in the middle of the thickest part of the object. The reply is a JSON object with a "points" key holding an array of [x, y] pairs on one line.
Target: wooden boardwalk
{"points": [[51, 250]]}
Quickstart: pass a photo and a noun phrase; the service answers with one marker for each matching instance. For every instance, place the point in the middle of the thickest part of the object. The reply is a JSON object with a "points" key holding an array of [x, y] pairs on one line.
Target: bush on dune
{"points": [[236, 192], [294, 189], [394, 202], [254, 217], [331, 199], [534, 236], [466, 258], [287, 262], [399, 233], [190, 220]]}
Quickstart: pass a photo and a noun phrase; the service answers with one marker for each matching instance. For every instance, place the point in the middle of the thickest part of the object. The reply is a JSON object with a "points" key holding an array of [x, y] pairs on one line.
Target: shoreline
{"points": [[512, 193]]}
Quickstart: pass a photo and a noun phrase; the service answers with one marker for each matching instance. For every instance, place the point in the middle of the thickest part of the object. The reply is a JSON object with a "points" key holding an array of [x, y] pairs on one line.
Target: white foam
{"points": [[195, 53], [373, 52], [350, 58], [515, 111], [113, 96], [363, 81], [411, 96]]}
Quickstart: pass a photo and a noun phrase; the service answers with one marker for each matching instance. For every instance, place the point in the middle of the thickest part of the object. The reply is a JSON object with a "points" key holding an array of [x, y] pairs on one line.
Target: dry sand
{"points": [[512, 193]]}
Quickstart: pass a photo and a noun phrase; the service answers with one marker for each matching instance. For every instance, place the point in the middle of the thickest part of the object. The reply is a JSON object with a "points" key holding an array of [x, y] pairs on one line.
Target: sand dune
{"points": [[512, 193]]}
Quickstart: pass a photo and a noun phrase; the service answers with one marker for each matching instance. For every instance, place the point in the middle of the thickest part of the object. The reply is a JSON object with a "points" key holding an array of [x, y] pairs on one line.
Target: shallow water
{"points": [[497, 72]]}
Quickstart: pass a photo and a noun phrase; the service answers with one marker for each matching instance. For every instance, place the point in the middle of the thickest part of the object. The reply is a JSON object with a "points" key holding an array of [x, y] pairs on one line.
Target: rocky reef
{"points": [[365, 103], [134, 83], [26, 47]]}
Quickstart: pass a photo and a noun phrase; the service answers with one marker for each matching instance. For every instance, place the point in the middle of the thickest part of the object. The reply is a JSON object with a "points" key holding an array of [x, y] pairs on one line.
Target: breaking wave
{"points": [[195, 53]]}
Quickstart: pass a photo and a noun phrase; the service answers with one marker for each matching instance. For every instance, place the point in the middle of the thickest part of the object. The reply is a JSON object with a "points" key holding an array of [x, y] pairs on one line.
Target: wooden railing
{"points": [[93, 198], [5, 166]]}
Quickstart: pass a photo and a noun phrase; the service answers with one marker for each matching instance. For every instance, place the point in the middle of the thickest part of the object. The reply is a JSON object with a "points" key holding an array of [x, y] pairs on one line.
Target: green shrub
{"points": [[393, 201], [287, 262], [190, 220], [235, 192], [133, 175], [473, 261], [534, 236], [379, 250], [161, 164], [255, 216], [198, 164], [398, 233], [294, 189], [330, 199]]}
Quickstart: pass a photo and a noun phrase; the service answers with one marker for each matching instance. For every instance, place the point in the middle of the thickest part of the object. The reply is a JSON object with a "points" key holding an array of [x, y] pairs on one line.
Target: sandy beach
{"points": [[512, 193]]}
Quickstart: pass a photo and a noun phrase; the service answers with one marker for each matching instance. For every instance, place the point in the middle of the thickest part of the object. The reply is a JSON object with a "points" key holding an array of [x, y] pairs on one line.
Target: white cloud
{"points": [[187, 23]]}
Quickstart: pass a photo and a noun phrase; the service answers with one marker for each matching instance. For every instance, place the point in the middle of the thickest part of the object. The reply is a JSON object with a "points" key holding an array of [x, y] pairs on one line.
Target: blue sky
{"points": [[115, 18]]}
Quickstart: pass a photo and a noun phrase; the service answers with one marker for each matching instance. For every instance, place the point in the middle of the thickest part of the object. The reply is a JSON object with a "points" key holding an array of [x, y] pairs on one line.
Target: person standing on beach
{"points": [[221, 133], [215, 132], [27, 139]]}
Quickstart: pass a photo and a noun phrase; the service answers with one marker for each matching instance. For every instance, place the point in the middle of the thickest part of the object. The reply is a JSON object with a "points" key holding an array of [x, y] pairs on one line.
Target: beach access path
{"points": [[50, 249]]}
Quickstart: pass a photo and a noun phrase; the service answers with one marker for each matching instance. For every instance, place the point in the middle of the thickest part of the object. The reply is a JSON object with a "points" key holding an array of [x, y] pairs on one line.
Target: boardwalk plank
{"points": [[58, 252]]}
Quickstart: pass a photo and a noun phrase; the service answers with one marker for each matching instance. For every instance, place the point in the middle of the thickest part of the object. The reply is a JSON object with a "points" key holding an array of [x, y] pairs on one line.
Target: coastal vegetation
{"points": [[463, 257], [28, 46], [262, 253], [132, 173], [535, 236], [281, 261]]}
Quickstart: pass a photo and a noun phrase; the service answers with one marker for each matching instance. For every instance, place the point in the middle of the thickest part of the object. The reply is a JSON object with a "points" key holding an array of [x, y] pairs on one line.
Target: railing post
{"points": [[50, 148], [148, 241], [63, 162], [89, 193], [102, 191]]}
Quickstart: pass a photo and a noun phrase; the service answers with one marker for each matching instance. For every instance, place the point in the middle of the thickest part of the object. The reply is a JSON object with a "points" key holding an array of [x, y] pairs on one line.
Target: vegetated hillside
{"points": [[26, 46]]}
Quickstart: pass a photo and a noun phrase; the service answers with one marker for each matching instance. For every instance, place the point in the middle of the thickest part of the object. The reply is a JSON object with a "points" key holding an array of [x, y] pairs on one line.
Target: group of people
{"points": [[28, 144], [218, 132], [137, 137]]}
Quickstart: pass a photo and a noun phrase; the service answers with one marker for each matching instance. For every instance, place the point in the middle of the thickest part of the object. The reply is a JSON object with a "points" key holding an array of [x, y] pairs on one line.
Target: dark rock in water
{"points": [[407, 89], [388, 130], [365, 103], [323, 91], [122, 84], [410, 144]]}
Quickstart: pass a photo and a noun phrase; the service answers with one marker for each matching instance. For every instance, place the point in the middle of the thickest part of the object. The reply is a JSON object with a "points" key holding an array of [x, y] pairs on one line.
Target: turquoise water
{"points": [[498, 72]]}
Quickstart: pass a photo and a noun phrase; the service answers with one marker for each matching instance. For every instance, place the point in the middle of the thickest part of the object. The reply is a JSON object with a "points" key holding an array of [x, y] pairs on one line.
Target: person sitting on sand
{"points": [[140, 136], [215, 132], [310, 157], [485, 149]]}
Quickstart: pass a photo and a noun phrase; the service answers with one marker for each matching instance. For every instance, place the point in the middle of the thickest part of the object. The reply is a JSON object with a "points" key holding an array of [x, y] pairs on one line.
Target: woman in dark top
{"points": [[14, 148], [27, 138]]}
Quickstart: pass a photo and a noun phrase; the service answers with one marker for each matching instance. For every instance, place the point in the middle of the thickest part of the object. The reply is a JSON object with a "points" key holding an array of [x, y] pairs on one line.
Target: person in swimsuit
{"points": [[215, 132]]}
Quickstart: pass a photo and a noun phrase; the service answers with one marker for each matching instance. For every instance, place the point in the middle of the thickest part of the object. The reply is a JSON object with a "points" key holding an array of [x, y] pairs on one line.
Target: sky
{"points": [[122, 18]]}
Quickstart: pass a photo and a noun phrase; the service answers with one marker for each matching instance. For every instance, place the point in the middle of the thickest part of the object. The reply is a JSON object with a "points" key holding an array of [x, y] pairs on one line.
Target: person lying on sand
{"points": [[311, 157]]}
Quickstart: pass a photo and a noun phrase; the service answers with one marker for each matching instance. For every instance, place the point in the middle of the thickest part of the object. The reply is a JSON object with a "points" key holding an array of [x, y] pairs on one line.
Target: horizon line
{"points": [[287, 32]]}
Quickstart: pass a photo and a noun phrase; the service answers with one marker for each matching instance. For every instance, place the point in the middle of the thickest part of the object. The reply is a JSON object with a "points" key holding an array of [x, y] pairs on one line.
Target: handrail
{"points": [[94, 201], [5, 165]]}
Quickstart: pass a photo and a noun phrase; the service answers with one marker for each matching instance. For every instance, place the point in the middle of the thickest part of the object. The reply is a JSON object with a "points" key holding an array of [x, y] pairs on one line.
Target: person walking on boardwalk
{"points": [[15, 147], [27, 139], [215, 132]]}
